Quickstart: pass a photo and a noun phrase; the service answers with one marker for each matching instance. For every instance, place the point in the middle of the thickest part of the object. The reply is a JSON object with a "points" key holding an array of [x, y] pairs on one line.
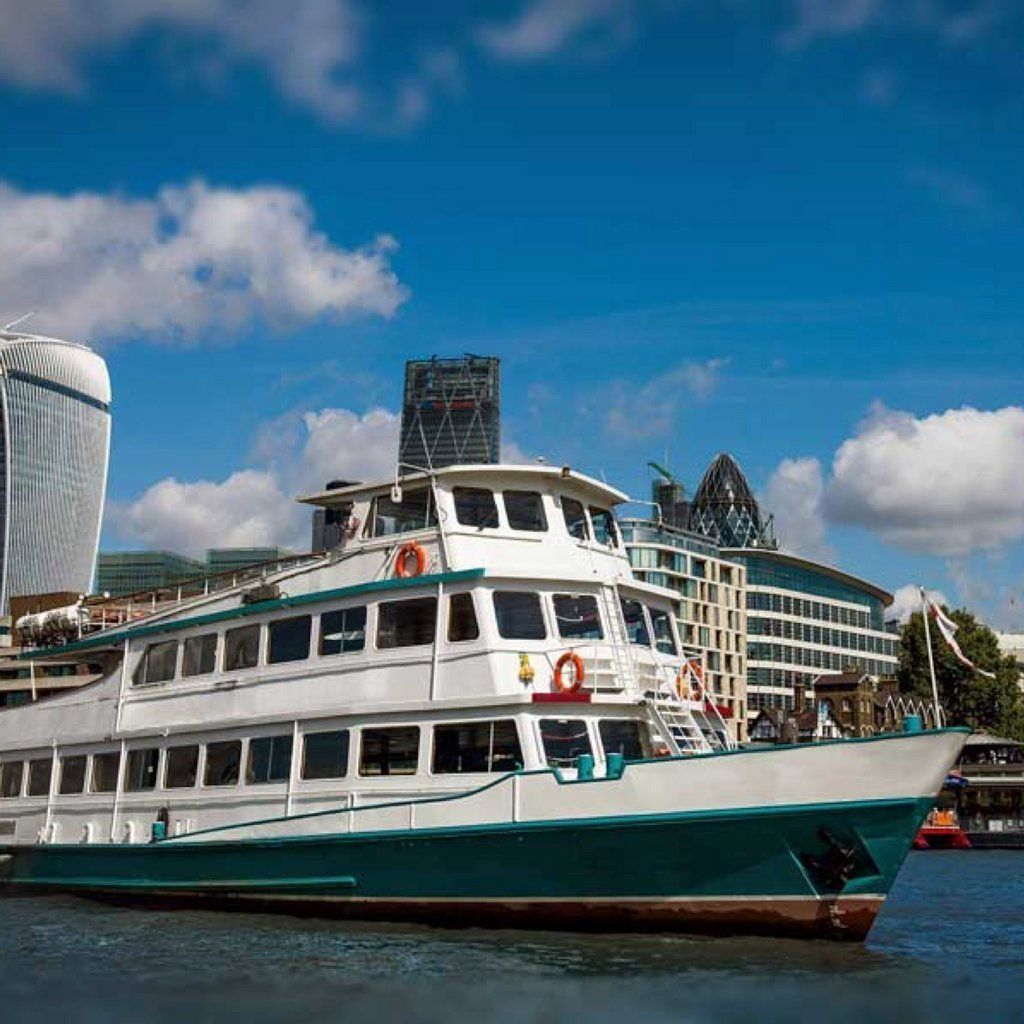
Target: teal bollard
{"points": [[158, 831], [912, 723], [585, 767], [616, 766]]}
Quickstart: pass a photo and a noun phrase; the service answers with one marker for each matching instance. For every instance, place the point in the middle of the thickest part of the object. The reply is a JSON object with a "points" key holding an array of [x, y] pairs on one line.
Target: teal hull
{"points": [[817, 870]]}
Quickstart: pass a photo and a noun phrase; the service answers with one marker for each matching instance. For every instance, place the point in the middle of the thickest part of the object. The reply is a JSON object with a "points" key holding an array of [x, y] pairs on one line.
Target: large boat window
{"points": [[606, 530], [141, 773], [462, 624], [477, 747], [288, 639], [414, 512], [519, 615], [575, 519], [199, 655], [664, 638], [325, 755], [270, 759], [182, 767], [11, 773], [343, 630], [39, 774], [636, 623], [104, 772], [524, 510], [241, 648], [223, 761], [390, 751], [159, 662], [475, 506], [72, 774], [564, 739], [577, 617], [621, 736], [406, 623]]}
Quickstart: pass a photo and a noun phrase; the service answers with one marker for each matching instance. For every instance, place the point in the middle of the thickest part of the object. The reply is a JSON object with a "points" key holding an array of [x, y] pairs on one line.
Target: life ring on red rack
{"points": [[412, 550], [570, 657]]}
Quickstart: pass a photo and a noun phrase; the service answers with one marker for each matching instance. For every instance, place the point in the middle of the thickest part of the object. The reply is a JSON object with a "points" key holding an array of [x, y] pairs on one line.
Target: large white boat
{"points": [[469, 711]]}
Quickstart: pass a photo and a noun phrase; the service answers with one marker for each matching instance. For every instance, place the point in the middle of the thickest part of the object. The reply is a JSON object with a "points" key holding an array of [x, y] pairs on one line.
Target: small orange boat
{"points": [[941, 831]]}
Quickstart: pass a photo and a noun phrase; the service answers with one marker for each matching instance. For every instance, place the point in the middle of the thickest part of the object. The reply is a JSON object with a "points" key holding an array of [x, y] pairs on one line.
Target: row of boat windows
{"points": [[478, 507], [519, 615], [471, 747]]}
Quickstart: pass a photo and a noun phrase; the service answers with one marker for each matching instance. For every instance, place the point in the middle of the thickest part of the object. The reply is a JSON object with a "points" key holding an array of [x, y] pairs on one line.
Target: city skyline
{"points": [[783, 233]]}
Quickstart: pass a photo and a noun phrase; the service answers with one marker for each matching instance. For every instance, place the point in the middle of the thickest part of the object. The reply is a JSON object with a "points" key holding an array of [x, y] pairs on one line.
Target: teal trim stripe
{"points": [[231, 885], [243, 611]]}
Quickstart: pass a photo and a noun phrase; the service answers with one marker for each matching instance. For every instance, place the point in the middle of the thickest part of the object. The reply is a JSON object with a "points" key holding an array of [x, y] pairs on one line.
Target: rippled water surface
{"points": [[948, 946]]}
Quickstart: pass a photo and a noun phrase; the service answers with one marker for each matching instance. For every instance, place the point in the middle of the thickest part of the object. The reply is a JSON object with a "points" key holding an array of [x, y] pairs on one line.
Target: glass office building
{"points": [[128, 572], [54, 447]]}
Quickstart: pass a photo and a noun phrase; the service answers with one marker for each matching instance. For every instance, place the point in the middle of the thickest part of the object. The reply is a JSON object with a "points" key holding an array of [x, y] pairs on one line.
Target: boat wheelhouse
{"points": [[468, 709]]}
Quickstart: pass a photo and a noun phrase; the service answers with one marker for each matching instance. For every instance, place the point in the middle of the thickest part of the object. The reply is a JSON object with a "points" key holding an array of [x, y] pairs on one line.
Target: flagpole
{"points": [[931, 657]]}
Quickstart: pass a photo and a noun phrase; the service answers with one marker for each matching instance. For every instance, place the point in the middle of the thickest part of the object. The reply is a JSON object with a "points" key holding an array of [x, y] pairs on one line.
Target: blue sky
{"points": [[788, 230]]}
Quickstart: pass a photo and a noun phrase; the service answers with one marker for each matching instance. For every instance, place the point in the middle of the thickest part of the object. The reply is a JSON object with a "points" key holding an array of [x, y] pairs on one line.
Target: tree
{"points": [[967, 698]]}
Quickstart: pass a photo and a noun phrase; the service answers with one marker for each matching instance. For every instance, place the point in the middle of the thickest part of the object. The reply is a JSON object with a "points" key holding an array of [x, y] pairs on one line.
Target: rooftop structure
{"points": [[724, 508], [54, 447], [450, 413]]}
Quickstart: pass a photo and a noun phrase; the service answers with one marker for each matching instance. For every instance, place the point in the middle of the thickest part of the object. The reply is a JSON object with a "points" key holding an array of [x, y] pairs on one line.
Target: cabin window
{"points": [[564, 739], [575, 519], [343, 630], [525, 511], [325, 755], [223, 761], [142, 766], [577, 617], [11, 773], [620, 736], [241, 648], [39, 774], [414, 512], [519, 615], [477, 747], [270, 759], [390, 751], [636, 623], [182, 767], [288, 639], [72, 774], [199, 655], [104, 772], [462, 624], [664, 638], [475, 506], [406, 623], [606, 530], [158, 663]]}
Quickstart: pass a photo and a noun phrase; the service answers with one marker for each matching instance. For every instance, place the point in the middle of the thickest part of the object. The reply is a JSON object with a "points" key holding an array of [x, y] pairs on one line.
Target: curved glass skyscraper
{"points": [[54, 445]]}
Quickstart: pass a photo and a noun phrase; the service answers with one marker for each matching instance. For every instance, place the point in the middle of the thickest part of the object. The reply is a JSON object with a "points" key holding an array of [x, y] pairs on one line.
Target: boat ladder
{"points": [[623, 665]]}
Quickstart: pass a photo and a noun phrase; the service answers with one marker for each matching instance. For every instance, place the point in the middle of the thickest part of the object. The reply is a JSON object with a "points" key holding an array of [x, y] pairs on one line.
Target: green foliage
{"points": [[968, 698]]}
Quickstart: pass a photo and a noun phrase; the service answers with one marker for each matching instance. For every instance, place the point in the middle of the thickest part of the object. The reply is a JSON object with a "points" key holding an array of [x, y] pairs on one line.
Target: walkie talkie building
{"points": [[54, 446]]}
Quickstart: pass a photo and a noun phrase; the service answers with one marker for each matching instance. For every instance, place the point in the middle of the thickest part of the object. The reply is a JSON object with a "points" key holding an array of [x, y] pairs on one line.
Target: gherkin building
{"points": [[724, 508]]}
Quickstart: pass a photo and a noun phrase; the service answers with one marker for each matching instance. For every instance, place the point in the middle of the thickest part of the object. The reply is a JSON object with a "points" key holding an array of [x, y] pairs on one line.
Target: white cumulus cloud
{"points": [[192, 260], [948, 484], [907, 600], [256, 506], [794, 496]]}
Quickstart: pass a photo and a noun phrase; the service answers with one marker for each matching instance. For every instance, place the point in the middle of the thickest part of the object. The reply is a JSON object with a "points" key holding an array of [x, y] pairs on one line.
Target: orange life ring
{"points": [[405, 552], [578, 673]]}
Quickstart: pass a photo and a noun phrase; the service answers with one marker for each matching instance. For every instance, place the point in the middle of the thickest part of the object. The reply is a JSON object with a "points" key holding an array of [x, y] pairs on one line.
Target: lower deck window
{"points": [[11, 773], [390, 751], [564, 739], [39, 774], [462, 624], [477, 747], [182, 767], [241, 648], [343, 630], [664, 639], [223, 761], [406, 623], [577, 617], [72, 774], [270, 759], [199, 655], [636, 624], [624, 737], [141, 773], [104, 772], [325, 755], [519, 615], [288, 639], [158, 664]]}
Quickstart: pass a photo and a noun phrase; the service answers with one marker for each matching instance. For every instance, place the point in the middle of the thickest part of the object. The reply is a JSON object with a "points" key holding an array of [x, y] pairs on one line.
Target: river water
{"points": [[948, 946]]}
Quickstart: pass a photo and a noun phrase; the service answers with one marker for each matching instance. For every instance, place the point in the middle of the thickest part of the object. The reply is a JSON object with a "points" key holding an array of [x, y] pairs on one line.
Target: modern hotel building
{"points": [[54, 446]]}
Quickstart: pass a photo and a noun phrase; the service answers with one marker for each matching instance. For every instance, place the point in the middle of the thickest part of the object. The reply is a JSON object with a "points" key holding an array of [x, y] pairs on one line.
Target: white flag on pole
{"points": [[948, 628]]}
